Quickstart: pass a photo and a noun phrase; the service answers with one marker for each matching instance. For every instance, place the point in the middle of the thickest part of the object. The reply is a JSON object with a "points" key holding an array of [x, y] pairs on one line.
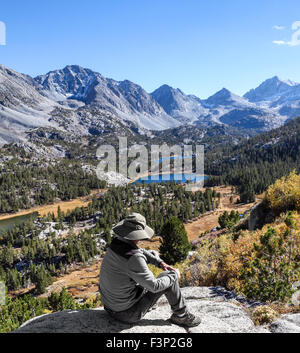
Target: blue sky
{"points": [[197, 46]]}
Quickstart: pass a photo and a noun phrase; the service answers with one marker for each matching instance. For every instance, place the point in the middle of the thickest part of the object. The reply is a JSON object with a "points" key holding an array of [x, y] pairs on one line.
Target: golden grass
{"points": [[210, 220], [43, 210], [80, 283]]}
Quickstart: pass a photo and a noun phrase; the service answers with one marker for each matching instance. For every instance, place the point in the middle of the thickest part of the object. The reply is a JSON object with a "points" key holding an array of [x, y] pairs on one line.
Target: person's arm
{"points": [[140, 273], [152, 257]]}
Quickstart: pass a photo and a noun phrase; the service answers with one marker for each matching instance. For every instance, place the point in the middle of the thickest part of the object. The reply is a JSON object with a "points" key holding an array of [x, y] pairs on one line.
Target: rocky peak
{"points": [[183, 107], [224, 97], [168, 97], [269, 89], [70, 82]]}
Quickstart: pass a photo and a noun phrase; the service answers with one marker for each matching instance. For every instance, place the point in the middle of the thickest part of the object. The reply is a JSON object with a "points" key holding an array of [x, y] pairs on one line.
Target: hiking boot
{"points": [[188, 320]]}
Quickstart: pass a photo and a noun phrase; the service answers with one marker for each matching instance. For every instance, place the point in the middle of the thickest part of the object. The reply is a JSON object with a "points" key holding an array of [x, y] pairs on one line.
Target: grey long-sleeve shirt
{"points": [[119, 278]]}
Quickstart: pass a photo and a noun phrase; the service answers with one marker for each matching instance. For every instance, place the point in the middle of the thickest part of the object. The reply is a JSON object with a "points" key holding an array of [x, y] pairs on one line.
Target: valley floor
{"points": [[209, 220]]}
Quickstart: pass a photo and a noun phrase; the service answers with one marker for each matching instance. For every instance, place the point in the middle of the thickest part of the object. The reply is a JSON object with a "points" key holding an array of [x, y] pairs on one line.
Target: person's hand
{"points": [[167, 267]]}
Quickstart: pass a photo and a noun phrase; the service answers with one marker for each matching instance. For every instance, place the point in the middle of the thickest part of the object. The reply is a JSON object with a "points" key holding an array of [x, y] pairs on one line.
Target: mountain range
{"points": [[82, 102]]}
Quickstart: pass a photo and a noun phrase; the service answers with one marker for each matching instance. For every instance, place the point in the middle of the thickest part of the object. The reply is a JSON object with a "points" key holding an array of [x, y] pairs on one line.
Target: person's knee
{"points": [[166, 273]]}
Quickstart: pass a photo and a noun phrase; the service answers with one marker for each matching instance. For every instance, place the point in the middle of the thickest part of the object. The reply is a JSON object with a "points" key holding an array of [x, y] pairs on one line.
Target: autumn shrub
{"points": [[93, 301], [204, 269], [233, 262], [284, 194], [263, 314]]}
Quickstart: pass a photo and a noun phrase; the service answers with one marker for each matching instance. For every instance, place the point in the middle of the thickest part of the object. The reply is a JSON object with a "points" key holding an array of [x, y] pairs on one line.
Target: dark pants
{"points": [[140, 308]]}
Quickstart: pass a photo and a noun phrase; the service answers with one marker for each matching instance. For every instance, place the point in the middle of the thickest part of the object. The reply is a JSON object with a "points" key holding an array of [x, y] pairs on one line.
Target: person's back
{"points": [[118, 291]]}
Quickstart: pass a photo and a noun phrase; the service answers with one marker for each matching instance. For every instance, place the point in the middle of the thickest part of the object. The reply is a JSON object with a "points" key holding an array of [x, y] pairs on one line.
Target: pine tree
{"points": [[175, 245], [41, 278]]}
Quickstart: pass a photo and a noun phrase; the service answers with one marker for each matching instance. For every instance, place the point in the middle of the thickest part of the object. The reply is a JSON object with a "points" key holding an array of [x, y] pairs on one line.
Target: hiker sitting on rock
{"points": [[128, 288]]}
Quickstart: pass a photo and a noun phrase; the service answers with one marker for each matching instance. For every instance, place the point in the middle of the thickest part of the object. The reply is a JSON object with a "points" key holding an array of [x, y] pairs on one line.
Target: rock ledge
{"points": [[221, 312]]}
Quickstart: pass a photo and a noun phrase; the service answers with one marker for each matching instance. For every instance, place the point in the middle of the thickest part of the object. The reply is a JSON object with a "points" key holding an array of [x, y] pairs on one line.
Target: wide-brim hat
{"points": [[133, 227]]}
